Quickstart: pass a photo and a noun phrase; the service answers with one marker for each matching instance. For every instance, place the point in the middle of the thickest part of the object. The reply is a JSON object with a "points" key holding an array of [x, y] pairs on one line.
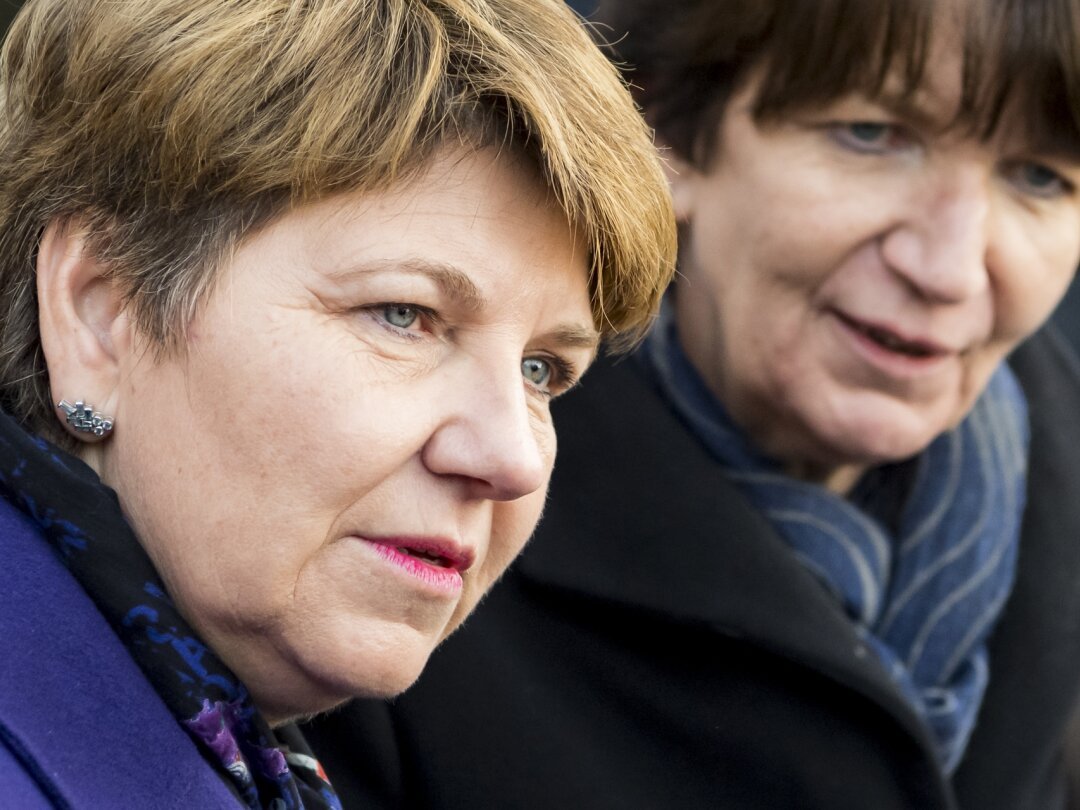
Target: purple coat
{"points": [[80, 726]]}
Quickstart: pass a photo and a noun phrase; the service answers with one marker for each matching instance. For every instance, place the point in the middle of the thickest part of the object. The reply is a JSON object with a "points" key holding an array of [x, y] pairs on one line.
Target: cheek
{"points": [[513, 523], [234, 468], [1032, 262], [305, 422], [1024, 299]]}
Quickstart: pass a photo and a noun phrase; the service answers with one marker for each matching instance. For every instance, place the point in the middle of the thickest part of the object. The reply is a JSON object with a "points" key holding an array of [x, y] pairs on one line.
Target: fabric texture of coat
{"points": [[80, 726], [659, 646]]}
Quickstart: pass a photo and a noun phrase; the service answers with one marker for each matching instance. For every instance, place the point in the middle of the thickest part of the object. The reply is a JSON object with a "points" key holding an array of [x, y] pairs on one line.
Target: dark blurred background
{"points": [[7, 11], [583, 7], [1067, 316]]}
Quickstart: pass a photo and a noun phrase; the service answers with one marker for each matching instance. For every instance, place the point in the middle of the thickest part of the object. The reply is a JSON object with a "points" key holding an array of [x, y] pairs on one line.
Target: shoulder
{"points": [[1035, 649], [618, 433], [79, 724], [632, 483]]}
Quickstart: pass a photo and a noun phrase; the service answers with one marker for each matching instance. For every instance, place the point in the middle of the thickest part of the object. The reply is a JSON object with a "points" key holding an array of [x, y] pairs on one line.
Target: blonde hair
{"points": [[175, 128]]}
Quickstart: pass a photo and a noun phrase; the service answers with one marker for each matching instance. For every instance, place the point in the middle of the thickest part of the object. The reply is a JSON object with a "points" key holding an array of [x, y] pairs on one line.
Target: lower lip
{"points": [[895, 364], [443, 580]]}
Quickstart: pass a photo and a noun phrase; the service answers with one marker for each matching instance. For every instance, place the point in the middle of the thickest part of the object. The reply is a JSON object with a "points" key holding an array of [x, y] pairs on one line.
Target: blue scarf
{"points": [[922, 554], [81, 518]]}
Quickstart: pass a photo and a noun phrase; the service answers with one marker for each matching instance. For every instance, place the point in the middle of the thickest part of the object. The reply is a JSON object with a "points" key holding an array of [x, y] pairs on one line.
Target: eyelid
{"points": [[429, 316]]}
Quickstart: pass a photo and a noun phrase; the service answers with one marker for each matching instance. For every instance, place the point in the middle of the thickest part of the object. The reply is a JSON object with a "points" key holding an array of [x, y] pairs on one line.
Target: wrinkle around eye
{"points": [[390, 347], [397, 361]]}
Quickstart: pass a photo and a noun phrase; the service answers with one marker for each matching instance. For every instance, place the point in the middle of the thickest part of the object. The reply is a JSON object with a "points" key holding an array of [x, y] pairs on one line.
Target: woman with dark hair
{"points": [[287, 290], [817, 545]]}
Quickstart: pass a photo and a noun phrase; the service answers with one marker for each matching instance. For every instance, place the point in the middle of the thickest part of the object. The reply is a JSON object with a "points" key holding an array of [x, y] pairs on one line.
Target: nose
{"points": [[489, 438], [941, 245]]}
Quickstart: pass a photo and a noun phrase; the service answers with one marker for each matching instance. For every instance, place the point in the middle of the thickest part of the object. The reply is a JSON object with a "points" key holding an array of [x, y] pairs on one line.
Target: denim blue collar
{"points": [[921, 557]]}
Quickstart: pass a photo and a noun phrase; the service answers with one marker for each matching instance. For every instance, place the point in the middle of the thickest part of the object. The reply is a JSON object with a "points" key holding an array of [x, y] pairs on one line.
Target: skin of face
{"points": [[372, 367], [812, 245]]}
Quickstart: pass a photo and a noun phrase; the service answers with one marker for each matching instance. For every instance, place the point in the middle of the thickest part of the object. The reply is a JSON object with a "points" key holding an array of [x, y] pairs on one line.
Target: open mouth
{"points": [[891, 341], [428, 557], [433, 552], [439, 564]]}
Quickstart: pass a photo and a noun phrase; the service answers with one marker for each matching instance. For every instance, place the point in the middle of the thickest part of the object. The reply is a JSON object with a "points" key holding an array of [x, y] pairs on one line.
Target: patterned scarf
{"points": [[81, 517], [921, 555]]}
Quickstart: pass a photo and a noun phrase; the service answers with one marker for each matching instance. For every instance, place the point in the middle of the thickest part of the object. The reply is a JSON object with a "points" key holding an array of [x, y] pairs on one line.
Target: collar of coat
{"points": [[641, 515]]}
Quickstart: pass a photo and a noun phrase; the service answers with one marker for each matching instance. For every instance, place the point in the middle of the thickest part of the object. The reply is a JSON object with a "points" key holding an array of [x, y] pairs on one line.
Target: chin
{"points": [[314, 698], [318, 677], [873, 442], [388, 683], [870, 432], [384, 675]]}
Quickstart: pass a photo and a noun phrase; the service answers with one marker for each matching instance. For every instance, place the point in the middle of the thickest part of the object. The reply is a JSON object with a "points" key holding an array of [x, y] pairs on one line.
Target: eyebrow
{"points": [[1050, 145], [571, 336], [452, 281]]}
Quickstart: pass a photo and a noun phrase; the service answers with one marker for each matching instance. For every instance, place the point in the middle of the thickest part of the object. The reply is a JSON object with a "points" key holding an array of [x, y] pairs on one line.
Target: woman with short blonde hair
{"points": [[287, 291]]}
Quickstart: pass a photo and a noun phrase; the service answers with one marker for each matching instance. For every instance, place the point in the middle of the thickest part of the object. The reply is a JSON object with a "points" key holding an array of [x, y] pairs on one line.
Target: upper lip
{"points": [[451, 553], [919, 342]]}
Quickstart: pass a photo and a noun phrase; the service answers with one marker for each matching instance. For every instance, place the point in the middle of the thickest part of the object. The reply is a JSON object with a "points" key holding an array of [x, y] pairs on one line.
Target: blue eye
{"points": [[400, 315], [868, 132], [537, 371], [870, 137], [1039, 180]]}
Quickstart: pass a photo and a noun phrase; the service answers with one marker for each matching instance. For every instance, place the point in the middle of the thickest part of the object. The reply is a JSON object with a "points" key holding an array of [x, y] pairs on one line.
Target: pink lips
{"points": [[434, 561]]}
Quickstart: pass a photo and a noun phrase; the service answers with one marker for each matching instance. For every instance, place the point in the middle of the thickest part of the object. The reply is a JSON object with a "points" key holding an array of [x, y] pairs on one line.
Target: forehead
{"points": [[481, 227]]}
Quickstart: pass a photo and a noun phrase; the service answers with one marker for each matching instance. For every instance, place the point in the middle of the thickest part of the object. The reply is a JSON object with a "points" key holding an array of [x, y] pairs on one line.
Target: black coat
{"points": [[658, 646]]}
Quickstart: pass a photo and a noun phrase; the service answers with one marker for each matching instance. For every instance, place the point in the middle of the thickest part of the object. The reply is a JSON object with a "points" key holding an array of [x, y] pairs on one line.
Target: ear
{"points": [[84, 330], [680, 177]]}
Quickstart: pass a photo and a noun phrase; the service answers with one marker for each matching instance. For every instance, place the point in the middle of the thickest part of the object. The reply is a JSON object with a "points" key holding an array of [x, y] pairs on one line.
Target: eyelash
{"points": [[563, 375]]}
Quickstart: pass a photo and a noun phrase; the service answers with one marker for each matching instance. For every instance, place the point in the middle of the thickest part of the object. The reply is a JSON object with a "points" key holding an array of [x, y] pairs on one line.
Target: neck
{"points": [[837, 479]]}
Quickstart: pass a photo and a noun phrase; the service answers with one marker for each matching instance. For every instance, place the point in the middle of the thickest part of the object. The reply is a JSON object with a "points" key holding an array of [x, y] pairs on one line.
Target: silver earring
{"points": [[84, 419]]}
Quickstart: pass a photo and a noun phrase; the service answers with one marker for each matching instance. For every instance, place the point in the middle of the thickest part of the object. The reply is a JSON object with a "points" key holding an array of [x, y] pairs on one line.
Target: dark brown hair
{"points": [[686, 58]]}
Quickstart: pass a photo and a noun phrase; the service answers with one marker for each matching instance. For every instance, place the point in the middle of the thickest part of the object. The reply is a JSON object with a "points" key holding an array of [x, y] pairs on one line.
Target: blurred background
{"points": [[583, 7], [7, 11]]}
